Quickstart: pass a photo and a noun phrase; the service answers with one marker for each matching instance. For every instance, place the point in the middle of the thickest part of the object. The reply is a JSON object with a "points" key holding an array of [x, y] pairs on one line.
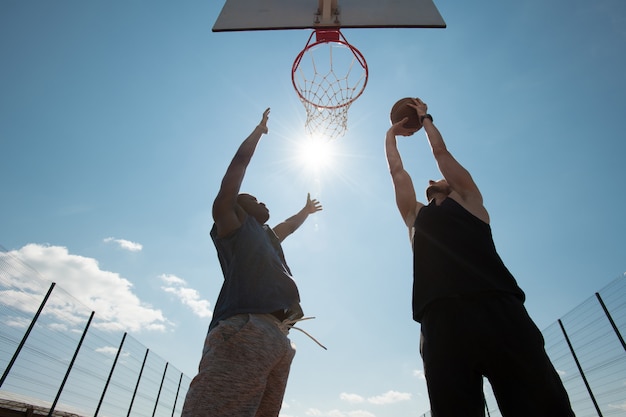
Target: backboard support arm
{"points": [[327, 13]]}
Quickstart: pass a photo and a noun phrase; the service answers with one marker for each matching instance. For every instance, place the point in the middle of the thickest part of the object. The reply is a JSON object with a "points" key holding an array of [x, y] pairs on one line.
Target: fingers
{"points": [[400, 123], [266, 114], [399, 129], [418, 104], [263, 123], [313, 204]]}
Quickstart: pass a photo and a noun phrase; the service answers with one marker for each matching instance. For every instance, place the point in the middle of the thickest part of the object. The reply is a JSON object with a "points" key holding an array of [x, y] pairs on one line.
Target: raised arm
{"points": [[227, 214], [290, 225], [402, 183], [459, 179]]}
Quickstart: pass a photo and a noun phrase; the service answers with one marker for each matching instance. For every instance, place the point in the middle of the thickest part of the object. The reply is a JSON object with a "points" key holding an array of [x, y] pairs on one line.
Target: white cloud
{"points": [[187, 296], [16, 322], [419, 373], [112, 351], [20, 300], [173, 280], [621, 407], [314, 412], [360, 413], [106, 293], [351, 398], [107, 350], [125, 244], [389, 397]]}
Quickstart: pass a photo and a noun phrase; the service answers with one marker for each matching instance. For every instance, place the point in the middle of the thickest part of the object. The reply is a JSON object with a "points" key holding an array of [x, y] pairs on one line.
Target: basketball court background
{"points": [[66, 360]]}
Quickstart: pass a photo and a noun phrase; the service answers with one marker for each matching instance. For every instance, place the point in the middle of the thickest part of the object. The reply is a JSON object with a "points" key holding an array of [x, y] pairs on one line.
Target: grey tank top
{"points": [[256, 276]]}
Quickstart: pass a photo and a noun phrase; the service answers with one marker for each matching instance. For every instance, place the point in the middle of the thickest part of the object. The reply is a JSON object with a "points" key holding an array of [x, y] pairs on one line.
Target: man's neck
{"points": [[438, 198]]}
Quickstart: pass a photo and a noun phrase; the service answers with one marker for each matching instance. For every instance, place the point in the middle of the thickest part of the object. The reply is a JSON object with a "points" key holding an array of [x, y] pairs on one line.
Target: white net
{"points": [[328, 76], [324, 122]]}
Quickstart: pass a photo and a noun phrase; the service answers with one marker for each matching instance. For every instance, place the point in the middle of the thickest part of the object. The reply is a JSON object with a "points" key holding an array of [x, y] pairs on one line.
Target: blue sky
{"points": [[118, 119]]}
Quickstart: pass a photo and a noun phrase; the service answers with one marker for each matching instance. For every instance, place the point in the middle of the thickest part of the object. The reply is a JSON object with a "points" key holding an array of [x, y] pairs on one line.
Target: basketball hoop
{"points": [[328, 80]]}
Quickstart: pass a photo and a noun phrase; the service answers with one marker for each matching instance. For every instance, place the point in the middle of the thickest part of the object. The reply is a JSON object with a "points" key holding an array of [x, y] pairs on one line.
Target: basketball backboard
{"points": [[245, 15]]}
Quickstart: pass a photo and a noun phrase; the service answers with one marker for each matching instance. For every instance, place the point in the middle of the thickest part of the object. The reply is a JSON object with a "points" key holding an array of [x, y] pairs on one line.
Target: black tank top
{"points": [[454, 256]]}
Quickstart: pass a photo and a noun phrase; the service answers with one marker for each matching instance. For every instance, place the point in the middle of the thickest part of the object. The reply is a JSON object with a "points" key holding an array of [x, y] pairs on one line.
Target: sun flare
{"points": [[315, 153]]}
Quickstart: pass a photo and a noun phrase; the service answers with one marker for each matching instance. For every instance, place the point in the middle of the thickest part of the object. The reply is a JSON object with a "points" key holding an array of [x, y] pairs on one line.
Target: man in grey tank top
{"points": [[247, 355], [470, 307]]}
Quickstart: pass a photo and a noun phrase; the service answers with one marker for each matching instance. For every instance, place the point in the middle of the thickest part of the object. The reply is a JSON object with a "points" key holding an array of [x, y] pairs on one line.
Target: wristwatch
{"points": [[426, 116]]}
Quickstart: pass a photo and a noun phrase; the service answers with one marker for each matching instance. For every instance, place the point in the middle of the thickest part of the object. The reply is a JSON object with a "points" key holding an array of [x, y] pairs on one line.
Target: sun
{"points": [[315, 153]]}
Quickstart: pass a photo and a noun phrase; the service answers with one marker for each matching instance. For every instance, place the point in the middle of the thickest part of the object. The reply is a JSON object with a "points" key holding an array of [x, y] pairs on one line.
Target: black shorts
{"points": [[467, 338]]}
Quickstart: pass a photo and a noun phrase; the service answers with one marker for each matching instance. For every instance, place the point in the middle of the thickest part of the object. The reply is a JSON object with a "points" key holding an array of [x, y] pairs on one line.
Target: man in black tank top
{"points": [[470, 307]]}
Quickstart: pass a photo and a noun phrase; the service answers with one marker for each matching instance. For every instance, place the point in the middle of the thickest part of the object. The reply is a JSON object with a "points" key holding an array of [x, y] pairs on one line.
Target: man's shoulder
{"points": [[245, 223], [412, 216]]}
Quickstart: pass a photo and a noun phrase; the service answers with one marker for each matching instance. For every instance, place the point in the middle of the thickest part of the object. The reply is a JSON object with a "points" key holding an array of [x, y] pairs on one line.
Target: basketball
{"points": [[401, 109]]}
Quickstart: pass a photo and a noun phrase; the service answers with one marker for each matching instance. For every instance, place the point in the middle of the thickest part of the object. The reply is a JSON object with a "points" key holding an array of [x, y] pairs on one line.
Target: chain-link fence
{"points": [[58, 358], [587, 349]]}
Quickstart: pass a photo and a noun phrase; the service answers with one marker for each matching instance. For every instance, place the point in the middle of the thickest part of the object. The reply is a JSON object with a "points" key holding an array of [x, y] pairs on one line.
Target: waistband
{"points": [[285, 323]]}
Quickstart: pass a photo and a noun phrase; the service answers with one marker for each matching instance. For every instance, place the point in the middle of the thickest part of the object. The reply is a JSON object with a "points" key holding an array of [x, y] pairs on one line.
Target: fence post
{"points": [[486, 406], [69, 368], [23, 341], [156, 402], [180, 380], [132, 400], [580, 369], [608, 315], [106, 386]]}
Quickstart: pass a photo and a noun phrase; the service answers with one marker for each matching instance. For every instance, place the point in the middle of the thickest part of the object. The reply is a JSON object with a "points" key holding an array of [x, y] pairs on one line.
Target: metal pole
{"points": [[106, 386], [608, 315], [486, 406], [156, 402], [21, 345], [69, 368], [180, 380], [138, 380], [580, 369]]}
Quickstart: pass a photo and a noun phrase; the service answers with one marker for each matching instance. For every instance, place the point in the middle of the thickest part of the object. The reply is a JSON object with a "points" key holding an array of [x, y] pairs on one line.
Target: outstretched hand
{"points": [[398, 128], [312, 206], [263, 124]]}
